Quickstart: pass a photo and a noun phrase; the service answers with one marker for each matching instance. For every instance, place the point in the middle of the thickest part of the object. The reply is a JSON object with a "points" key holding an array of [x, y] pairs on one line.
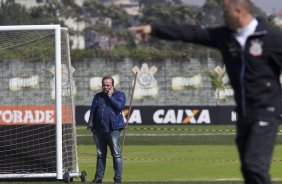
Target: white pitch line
{"points": [[190, 180], [162, 135], [196, 180]]}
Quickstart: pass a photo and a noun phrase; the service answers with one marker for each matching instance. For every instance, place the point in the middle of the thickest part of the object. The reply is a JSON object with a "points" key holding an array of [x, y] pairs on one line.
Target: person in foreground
{"points": [[252, 54], [106, 121]]}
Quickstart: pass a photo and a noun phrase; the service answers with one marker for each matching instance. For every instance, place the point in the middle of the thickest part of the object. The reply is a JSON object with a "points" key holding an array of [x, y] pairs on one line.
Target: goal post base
{"points": [[35, 175]]}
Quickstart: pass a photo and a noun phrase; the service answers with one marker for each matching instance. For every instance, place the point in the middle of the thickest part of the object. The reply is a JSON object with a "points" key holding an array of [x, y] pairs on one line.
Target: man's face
{"points": [[107, 85], [231, 15]]}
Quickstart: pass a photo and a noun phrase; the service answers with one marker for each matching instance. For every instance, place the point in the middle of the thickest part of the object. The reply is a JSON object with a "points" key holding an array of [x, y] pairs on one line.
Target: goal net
{"points": [[37, 123]]}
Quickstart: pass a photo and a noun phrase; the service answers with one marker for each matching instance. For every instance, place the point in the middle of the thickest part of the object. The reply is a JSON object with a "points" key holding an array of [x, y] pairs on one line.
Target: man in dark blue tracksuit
{"points": [[252, 54]]}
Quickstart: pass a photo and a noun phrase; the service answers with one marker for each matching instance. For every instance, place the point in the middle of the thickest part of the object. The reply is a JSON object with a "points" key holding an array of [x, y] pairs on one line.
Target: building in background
{"points": [[29, 3], [80, 40], [130, 6]]}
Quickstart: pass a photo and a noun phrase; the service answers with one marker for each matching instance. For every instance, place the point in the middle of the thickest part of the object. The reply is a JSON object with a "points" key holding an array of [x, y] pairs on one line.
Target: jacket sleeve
{"points": [[189, 33], [92, 110], [118, 102], [276, 48]]}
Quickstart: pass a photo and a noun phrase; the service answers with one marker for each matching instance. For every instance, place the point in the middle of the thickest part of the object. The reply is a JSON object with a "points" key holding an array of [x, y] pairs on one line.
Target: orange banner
{"points": [[33, 115]]}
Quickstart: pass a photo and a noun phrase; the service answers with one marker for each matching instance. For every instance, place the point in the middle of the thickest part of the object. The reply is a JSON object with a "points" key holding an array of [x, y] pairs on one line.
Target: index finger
{"points": [[135, 28]]}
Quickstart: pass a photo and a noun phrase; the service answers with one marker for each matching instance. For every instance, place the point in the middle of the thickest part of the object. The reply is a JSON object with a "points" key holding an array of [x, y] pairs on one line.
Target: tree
{"points": [[95, 9], [13, 14]]}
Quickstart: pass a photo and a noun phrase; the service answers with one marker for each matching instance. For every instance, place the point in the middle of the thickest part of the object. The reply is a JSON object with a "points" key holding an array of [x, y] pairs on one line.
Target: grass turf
{"points": [[197, 154], [179, 163], [176, 154]]}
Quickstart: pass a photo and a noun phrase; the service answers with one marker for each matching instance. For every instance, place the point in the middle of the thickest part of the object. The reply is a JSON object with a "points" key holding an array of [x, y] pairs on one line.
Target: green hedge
{"points": [[142, 52]]}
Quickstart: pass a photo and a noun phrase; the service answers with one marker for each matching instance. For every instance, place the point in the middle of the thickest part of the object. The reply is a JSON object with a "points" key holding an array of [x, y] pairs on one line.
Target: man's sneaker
{"points": [[96, 180], [117, 180]]}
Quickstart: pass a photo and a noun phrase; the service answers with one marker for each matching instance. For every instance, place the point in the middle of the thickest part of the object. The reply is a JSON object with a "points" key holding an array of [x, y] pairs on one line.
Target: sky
{"points": [[269, 6]]}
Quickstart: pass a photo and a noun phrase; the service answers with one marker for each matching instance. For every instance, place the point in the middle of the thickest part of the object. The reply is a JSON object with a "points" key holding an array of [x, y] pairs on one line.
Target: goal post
{"points": [[37, 123]]}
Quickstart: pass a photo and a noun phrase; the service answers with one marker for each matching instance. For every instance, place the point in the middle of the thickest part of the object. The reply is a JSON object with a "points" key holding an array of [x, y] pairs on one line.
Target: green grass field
{"points": [[193, 154], [175, 154]]}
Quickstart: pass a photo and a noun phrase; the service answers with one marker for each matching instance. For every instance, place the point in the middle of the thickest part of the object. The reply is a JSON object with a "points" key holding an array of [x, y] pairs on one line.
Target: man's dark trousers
{"points": [[255, 141]]}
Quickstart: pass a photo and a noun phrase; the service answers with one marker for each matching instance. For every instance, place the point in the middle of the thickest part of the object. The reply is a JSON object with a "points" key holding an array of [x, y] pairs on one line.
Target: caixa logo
{"points": [[182, 116]]}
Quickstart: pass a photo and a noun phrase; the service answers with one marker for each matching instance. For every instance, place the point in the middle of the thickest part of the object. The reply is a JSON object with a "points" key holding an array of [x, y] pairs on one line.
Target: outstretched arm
{"points": [[187, 33]]}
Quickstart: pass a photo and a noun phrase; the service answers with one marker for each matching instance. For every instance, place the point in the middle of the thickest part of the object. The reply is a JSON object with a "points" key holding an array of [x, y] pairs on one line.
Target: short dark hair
{"points": [[108, 77], [245, 4]]}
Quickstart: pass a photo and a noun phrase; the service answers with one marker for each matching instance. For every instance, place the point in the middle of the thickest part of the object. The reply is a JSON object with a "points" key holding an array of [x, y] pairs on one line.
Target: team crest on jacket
{"points": [[256, 47]]}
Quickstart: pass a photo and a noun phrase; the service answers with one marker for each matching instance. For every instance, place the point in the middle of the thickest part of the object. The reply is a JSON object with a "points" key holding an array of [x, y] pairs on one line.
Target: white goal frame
{"points": [[58, 94]]}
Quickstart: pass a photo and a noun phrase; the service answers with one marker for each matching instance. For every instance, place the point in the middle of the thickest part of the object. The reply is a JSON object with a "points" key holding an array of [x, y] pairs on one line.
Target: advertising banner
{"points": [[33, 115], [170, 115]]}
